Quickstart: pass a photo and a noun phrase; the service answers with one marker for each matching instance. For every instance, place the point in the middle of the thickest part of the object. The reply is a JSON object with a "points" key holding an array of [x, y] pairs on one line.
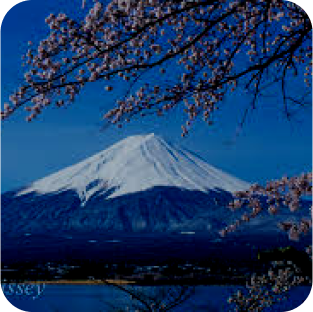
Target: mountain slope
{"points": [[139, 184], [135, 164]]}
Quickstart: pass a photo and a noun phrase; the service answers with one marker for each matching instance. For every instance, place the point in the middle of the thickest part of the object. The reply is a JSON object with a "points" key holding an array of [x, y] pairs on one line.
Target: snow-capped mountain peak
{"points": [[135, 164]]}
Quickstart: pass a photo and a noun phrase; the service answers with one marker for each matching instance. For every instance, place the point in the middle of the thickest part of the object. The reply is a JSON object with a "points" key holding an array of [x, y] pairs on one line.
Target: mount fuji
{"points": [[141, 183]]}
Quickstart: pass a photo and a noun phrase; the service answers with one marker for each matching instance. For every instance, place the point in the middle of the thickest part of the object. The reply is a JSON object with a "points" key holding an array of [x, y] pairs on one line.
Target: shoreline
{"points": [[125, 282], [78, 282]]}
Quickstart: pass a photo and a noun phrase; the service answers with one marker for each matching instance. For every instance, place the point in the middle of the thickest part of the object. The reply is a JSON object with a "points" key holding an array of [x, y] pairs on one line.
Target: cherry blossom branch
{"points": [[276, 195], [202, 40]]}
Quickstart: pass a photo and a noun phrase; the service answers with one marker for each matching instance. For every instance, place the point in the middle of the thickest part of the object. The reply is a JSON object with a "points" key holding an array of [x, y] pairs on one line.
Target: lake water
{"points": [[76, 298]]}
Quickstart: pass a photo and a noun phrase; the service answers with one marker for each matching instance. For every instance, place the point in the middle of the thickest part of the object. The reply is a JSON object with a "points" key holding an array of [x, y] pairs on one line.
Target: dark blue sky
{"points": [[269, 146]]}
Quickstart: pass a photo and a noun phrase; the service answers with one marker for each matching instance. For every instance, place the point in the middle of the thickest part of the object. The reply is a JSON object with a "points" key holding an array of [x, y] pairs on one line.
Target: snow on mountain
{"points": [[135, 164]]}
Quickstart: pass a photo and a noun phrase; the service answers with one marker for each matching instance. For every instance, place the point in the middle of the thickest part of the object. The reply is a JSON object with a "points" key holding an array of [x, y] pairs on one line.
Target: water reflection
{"points": [[161, 298], [92, 298]]}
